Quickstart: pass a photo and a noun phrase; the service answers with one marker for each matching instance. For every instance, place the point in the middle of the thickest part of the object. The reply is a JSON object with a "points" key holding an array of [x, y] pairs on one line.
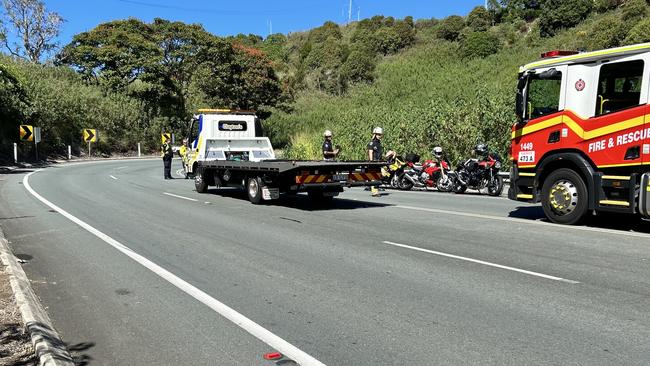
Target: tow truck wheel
{"points": [[564, 197], [200, 183], [254, 189]]}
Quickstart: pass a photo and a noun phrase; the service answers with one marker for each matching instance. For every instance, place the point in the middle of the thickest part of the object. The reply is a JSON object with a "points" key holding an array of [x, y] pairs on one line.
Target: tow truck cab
{"points": [[224, 134], [582, 138]]}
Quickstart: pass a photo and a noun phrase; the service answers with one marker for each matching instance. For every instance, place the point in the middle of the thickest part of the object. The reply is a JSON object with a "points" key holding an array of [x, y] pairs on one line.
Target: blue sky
{"points": [[246, 16]]}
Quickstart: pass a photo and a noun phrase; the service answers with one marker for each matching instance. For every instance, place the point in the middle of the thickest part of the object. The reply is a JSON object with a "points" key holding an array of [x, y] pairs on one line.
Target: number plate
{"points": [[526, 157], [339, 177]]}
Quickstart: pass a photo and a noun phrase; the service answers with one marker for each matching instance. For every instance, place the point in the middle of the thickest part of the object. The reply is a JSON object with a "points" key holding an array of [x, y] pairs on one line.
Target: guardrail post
{"points": [[138, 149], [15, 153], [69, 152]]}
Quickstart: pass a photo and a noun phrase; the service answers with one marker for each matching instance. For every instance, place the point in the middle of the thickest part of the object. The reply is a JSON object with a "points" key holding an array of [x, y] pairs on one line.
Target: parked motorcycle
{"points": [[391, 172], [479, 173], [434, 173]]}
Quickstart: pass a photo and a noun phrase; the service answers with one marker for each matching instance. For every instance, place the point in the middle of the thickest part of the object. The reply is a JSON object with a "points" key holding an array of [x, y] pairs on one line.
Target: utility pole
{"points": [[350, 12], [358, 14]]}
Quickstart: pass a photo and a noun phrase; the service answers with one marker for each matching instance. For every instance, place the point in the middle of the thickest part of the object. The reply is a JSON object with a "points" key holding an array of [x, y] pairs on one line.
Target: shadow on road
{"points": [[302, 202], [528, 213], [603, 220]]}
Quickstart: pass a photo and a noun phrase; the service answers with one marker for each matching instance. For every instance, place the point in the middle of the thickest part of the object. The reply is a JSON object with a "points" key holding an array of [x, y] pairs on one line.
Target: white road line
{"points": [[537, 274], [181, 197], [113, 177], [525, 221], [224, 310], [122, 167]]}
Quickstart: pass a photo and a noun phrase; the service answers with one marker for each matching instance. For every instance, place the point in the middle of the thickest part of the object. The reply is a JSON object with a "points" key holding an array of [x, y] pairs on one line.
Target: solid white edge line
{"points": [[181, 197], [113, 177], [224, 310], [525, 221], [537, 274]]}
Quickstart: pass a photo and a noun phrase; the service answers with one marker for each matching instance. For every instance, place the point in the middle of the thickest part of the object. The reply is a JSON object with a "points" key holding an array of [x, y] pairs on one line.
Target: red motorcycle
{"points": [[434, 173]]}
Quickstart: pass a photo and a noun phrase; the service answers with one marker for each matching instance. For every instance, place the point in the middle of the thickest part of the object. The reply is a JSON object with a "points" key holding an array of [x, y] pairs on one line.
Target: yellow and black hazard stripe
{"points": [[312, 178], [368, 176]]}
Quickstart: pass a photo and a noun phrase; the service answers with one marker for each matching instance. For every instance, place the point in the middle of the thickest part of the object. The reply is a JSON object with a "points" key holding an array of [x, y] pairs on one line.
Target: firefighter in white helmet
{"points": [[375, 152], [329, 151]]}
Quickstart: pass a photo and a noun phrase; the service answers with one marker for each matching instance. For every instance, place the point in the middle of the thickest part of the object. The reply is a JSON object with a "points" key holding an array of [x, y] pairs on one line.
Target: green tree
{"points": [[521, 9], [241, 78], [274, 45], [634, 10], [359, 66], [606, 33], [559, 14], [450, 27], [602, 6], [640, 33], [480, 44], [324, 32], [479, 19]]}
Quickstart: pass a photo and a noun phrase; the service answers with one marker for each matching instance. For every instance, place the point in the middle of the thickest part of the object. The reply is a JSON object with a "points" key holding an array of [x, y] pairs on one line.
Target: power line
{"points": [[208, 10]]}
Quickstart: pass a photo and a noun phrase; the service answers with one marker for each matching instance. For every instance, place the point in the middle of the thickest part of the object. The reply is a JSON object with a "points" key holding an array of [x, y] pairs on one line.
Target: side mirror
{"points": [[520, 99]]}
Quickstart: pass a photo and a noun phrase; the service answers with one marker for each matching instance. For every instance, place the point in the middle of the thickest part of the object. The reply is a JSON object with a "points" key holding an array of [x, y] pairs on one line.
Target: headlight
{"points": [[497, 165]]}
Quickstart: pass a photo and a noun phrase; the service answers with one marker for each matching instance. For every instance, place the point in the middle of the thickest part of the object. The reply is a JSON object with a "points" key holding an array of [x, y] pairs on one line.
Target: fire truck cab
{"points": [[581, 142]]}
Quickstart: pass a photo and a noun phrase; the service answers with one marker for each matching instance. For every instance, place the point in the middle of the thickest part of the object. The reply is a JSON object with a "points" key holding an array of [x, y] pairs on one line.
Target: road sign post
{"points": [[37, 139], [89, 136]]}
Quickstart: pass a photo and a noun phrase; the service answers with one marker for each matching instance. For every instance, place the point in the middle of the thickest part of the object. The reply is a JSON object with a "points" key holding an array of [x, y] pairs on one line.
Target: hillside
{"points": [[434, 93]]}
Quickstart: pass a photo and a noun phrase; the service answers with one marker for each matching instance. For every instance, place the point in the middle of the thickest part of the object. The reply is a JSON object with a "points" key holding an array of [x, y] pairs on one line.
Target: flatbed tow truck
{"points": [[229, 150]]}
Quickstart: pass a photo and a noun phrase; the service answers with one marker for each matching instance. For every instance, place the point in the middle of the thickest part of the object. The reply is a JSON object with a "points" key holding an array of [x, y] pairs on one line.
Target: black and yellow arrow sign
{"points": [[90, 135], [166, 137], [26, 133]]}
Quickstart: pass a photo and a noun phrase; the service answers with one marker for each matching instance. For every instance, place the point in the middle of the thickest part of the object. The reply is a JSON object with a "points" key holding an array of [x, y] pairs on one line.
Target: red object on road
{"points": [[273, 356]]}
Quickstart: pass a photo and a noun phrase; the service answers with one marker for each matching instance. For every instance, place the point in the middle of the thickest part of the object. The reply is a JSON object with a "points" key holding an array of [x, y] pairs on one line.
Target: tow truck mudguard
{"points": [[584, 167]]}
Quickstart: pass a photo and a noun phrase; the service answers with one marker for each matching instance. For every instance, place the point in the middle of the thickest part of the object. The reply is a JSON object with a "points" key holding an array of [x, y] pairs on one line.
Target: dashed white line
{"points": [[256, 330], [113, 177], [525, 221], [537, 274], [181, 197]]}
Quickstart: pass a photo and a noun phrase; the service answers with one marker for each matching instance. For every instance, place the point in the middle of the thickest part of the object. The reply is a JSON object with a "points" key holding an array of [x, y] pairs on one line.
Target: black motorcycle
{"points": [[479, 173]]}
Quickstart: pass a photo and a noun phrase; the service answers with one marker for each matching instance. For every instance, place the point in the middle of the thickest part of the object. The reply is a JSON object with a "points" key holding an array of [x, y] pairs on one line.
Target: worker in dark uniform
{"points": [[329, 152], [375, 152], [167, 155]]}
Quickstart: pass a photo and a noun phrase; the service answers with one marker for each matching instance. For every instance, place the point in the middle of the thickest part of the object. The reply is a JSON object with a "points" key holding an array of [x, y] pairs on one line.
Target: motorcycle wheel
{"points": [[445, 184], [459, 188], [404, 184], [496, 186]]}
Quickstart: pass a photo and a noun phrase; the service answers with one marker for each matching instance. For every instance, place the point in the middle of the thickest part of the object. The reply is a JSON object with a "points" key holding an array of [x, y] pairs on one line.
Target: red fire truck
{"points": [[581, 142]]}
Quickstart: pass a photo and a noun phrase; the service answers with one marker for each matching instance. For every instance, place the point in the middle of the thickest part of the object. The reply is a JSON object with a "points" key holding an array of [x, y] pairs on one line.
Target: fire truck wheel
{"points": [[254, 189], [564, 197], [200, 183]]}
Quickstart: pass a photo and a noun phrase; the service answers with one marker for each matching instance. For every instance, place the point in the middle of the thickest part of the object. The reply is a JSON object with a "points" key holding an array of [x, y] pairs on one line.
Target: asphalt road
{"points": [[410, 278]]}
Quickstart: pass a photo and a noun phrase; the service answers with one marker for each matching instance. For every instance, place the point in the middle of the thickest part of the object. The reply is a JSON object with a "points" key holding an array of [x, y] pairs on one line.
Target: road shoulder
{"points": [[48, 347]]}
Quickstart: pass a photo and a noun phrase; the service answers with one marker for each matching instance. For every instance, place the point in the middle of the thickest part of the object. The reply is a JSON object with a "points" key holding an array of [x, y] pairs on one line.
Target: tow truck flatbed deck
{"points": [[282, 166]]}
